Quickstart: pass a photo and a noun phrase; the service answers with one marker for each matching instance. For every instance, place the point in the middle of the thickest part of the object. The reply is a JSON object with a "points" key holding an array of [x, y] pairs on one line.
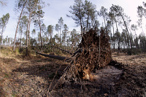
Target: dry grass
{"points": [[139, 59], [26, 77]]}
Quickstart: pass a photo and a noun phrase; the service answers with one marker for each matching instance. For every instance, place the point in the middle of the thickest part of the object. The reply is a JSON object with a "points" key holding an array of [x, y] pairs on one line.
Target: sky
{"points": [[60, 8]]}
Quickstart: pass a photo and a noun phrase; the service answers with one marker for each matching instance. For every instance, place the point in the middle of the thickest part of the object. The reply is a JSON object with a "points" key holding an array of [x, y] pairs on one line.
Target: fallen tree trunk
{"points": [[56, 57]]}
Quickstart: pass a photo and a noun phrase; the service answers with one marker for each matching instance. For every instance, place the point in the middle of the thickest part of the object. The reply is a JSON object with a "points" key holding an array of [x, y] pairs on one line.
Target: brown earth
{"points": [[27, 78], [32, 78]]}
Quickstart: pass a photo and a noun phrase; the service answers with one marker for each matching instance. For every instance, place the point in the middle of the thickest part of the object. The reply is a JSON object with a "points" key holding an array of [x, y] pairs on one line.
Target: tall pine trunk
{"points": [[28, 30], [18, 25]]}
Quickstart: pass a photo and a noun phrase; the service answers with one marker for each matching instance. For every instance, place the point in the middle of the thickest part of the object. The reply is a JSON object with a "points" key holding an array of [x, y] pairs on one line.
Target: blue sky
{"points": [[59, 8]]}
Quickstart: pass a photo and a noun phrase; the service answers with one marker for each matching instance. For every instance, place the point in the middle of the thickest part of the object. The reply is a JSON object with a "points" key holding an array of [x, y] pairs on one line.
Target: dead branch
{"points": [[56, 57]]}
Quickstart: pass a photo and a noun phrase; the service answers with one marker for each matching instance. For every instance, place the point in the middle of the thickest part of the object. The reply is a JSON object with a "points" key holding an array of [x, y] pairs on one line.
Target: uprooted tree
{"points": [[93, 72], [92, 54], [95, 53]]}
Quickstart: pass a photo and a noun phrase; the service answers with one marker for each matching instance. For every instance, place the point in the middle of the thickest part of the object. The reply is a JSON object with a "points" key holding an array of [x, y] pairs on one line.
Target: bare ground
{"points": [[32, 78]]}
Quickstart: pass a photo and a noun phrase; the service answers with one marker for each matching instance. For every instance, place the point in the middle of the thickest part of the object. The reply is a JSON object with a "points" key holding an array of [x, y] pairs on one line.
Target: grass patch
{"points": [[6, 51]]}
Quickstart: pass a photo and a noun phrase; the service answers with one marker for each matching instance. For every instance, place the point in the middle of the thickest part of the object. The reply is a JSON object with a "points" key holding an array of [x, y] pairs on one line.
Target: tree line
{"points": [[123, 34]]}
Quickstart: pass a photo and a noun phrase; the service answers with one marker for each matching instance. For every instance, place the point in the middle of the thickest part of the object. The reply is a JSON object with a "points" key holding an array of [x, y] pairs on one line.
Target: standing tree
{"points": [[31, 7], [141, 13], [84, 14], [59, 27], [50, 32], [104, 14], [90, 15], [74, 38], [33, 32], [134, 28], [118, 10], [60, 23], [124, 38], [130, 37], [57, 39], [65, 30], [43, 28], [56, 36], [20, 5], [112, 19], [3, 22], [39, 14], [113, 16], [22, 27], [78, 13], [142, 42]]}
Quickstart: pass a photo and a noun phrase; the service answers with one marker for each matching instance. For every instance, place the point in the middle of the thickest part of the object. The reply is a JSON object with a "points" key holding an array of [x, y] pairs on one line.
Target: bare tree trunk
{"points": [[28, 30], [60, 37], [125, 24], [40, 33], [87, 23], [2, 35], [20, 39], [104, 21], [116, 25], [18, 25], [1, 40], [81, 25], [113, 35], [27, 33]]}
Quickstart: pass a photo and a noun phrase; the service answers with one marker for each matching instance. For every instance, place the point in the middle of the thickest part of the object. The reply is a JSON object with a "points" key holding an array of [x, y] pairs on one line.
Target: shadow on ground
{"points": [[115, 80], [46, 71]]}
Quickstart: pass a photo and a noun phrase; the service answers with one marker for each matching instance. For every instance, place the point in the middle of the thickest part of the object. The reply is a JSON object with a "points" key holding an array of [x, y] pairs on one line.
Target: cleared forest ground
{"points": [[130, 59], [31, 78]]}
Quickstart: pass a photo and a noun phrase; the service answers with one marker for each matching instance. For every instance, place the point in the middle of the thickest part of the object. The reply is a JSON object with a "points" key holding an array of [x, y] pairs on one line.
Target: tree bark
{"points": [[18, 25], [56, 57], [125, 24], [40, 33], [28, 30], [116, 25]]}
